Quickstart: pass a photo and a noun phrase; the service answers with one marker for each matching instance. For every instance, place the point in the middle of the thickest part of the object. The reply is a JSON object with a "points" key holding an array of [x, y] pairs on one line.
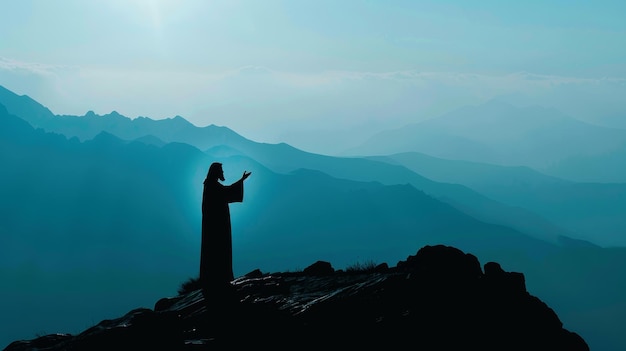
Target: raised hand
{"points": [[245, 175]]}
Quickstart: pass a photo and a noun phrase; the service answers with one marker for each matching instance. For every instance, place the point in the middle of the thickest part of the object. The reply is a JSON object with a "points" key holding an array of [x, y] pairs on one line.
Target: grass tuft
{"points": [[361, 267], [188, 286]]}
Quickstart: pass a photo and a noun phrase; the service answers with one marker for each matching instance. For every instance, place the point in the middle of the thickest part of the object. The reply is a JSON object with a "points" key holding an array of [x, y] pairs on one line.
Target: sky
{"points": [[305, 72]]}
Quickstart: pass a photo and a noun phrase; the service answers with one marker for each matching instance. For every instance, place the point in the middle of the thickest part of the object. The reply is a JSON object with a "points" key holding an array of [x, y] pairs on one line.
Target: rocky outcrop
{"points": [[439, 299]]}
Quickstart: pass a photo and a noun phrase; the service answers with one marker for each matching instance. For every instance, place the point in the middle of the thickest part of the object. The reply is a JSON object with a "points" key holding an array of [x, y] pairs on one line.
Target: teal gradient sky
{"points": [[279, 70]]}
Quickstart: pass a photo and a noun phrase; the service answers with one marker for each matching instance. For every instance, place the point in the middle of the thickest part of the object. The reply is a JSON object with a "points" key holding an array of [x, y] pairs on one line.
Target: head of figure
{"points": [[215, 172]]}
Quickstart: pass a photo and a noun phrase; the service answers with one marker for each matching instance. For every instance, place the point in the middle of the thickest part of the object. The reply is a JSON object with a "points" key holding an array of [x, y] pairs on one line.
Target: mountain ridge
{"points": [[439, 297], [283, 158], [571, 205]]}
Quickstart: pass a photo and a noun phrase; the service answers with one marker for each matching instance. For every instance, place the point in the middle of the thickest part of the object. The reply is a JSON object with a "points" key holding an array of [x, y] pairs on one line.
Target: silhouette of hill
{"points": [[439, 298], [594, 212], [499, 133]]}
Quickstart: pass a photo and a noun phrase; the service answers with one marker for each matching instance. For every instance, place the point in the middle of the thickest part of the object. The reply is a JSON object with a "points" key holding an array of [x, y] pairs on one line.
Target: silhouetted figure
{"points": [[216, 256]]}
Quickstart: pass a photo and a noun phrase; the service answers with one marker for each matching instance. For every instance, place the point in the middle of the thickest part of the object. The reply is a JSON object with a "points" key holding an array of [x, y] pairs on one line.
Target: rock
{"points": [[438, 299], [319, 268]]}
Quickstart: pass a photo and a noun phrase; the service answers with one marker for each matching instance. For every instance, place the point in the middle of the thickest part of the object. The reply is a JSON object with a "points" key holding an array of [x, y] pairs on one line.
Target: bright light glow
{"points": [[146, 12]]}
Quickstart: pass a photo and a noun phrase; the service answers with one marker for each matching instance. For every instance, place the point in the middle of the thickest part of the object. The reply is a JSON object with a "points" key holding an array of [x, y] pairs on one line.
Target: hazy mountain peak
{"points": [[106, 137], [498, 114], [150, 139], [25, 107], [116, 116], [180, 121], [223, 151], [499, 132]]}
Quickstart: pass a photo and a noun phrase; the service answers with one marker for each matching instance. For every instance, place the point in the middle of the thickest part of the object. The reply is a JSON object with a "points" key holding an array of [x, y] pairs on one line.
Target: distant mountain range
{"points": [[114, 204], [484, 196], [499, 133], [594, 211]]}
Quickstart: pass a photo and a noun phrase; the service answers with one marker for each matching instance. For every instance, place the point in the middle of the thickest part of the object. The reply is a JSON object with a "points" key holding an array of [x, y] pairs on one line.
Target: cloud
{"points": [[7, 64], [37, 80]]}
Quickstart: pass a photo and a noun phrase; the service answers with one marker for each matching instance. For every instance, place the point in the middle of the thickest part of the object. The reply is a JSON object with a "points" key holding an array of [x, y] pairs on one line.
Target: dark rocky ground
{"points": [[439, 299]]}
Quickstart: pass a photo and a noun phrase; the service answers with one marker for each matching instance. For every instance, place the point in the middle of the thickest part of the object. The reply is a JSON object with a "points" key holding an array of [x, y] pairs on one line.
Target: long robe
{"points": [[216, 256]]}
